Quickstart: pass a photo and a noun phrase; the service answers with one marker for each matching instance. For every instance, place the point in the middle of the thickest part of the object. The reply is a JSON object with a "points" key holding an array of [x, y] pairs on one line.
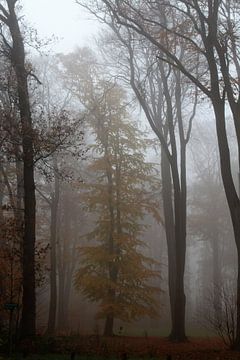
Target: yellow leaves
{"points": [[128, 294]]}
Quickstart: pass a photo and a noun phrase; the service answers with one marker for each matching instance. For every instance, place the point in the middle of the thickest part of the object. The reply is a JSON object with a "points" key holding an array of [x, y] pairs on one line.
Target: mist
{"points": [[119, 179]]}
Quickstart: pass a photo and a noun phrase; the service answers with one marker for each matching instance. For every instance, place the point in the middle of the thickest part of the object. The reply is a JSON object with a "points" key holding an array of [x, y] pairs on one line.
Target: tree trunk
{"points": [[2, 186], [180, 299], [179, 201], [65, 283], [53, 261], [63, 262], [18, 61], [2, 290], [169, 230], [108, 328], [178, 329], [112, 267], [216, 275], [230, 191], [61, 282]]}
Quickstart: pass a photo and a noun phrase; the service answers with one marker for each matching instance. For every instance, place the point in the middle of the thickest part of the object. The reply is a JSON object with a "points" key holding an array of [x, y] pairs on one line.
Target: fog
{"points": [[119, 171], [61, 22]]}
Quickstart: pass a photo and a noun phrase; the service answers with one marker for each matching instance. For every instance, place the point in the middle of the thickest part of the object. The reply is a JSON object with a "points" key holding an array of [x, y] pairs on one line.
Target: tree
{"points": [[59, 146], [209, 220], [9, 19], [210, 31], [115, 272], [162, 93]]}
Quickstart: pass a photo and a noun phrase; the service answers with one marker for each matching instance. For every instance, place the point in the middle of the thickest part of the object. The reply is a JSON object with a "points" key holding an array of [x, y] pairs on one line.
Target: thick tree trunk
{"points": [[179, 334], [2, 185], [237, 340], [180, 202], [175, 228], [20, 197], [178, 331], [2, 290], [230, 191], [18, 61]]}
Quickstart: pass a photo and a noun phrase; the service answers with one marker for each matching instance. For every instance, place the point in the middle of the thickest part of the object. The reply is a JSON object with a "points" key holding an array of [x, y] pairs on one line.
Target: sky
{"points": [[64, 19]]}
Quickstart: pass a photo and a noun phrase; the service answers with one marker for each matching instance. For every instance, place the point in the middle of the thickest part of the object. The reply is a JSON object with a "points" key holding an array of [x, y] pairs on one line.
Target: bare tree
{"points": [[212, 35], [223, 323], [161, 92]]}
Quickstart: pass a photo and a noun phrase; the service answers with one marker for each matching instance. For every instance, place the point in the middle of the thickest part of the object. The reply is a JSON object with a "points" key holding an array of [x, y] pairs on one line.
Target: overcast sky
{"points": [[62, 18]]}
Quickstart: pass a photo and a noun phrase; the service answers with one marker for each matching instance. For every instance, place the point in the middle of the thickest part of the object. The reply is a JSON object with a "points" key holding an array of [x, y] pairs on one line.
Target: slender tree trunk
{"points": [[108, 328], [66, 300], [63, 265], [18, 61], [169, 230], [112, 269], [53, 260], [216, 275], [61, 284]]}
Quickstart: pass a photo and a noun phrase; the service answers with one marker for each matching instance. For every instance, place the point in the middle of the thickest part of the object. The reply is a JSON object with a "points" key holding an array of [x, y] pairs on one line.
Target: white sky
{"points": [[63, 18]]}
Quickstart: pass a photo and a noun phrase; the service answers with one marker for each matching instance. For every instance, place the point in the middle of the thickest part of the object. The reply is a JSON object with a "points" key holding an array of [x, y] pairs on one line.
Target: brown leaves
{"points": [[149, 347]]}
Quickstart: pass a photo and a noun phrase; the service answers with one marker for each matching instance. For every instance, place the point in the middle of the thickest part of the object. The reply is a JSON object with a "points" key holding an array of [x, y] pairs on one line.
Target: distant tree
{"points": [[114, 270], [58, 144], [209, 221]]}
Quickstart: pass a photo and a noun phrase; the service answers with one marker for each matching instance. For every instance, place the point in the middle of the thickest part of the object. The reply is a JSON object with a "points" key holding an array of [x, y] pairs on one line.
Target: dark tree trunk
{"points": [[169, 230], [20, 196], [180, 236], [53, 260], [230, 190], [216, 275], [18, 61], [108, 328], [61, 293], [66, 272], [61, 284], [1, 205], [65, 283], [179, 203], [63, 266], [2, 290]]}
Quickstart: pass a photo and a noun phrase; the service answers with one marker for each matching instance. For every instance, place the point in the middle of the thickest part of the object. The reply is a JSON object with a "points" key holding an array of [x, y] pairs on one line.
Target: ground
{"points": [[123, 348]]}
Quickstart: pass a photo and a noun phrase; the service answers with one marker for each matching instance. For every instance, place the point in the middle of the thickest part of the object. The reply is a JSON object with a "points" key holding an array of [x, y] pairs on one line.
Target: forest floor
{"points": [[132, 348], [150, 347]]}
